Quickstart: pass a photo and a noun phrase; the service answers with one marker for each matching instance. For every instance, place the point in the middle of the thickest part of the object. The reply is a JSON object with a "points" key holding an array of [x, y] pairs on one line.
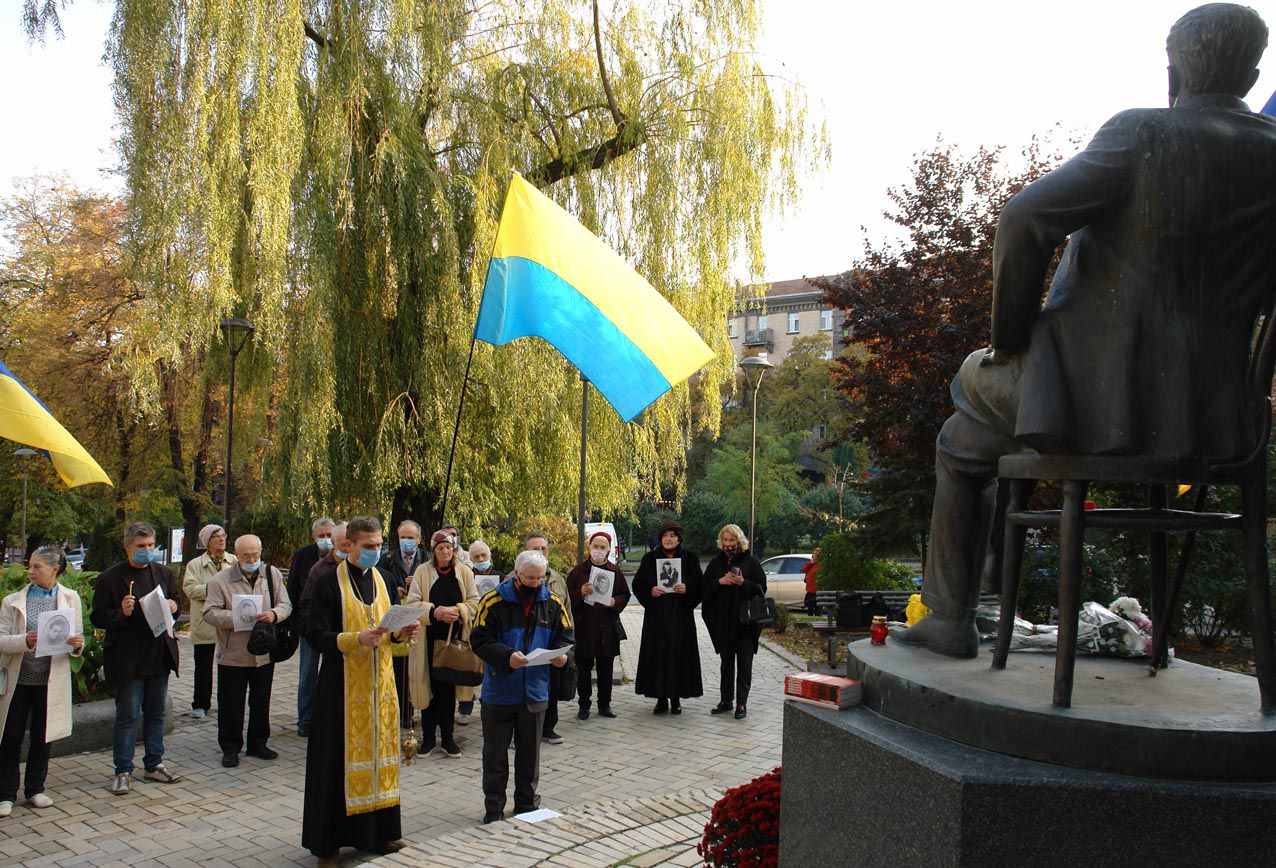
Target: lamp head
{"points": [[237, 331]]}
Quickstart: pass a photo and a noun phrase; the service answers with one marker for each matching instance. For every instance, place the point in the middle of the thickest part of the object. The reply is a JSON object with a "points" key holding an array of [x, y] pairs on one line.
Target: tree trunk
{"points": [[209, 415], [420, 504], [172, 418]]}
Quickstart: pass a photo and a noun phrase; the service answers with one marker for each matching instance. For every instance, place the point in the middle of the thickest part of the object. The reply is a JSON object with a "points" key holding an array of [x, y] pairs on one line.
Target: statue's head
{"points": [[1215, 49]]}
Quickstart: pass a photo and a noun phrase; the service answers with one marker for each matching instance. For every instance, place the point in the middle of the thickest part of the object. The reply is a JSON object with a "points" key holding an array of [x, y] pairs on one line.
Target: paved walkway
{"points": [[634, 790]]}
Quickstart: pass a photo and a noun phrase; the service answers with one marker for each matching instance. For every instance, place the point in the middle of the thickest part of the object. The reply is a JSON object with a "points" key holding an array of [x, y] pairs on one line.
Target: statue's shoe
{"points": [[947, 636]]}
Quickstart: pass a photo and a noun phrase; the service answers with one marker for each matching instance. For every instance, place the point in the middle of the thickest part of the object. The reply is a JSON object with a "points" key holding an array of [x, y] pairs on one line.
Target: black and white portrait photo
{"points": [[668, 573]]}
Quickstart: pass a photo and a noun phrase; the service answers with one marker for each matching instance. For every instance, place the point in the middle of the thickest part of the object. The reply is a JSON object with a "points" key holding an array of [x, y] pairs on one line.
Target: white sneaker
{"points": [[463, 719], [6, 808], [197, 713], [40, 800]]}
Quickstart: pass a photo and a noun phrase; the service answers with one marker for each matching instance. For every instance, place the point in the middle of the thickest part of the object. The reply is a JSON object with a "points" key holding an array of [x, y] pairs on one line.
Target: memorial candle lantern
{"points": [[877, 632]]}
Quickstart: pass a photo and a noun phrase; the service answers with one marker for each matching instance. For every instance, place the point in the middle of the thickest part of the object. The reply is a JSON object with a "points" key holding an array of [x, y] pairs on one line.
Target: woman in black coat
{"points": [[732, 576], [597, 639], [669, 656]]}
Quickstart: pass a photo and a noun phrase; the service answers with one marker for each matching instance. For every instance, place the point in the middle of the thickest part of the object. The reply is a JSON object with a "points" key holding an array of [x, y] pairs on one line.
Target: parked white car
{"points": [[785, 581]]}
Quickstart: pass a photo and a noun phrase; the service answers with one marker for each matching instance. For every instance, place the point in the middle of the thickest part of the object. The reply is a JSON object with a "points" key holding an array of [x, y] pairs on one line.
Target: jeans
{"points": [[307, 682], [140, 697], [465, 707], [233, 682], [28, 700], [203, 697]]}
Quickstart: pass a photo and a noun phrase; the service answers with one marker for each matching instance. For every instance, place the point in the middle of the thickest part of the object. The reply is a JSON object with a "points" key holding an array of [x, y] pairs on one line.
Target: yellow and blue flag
{"points": [[25, 419], [552, 278]]}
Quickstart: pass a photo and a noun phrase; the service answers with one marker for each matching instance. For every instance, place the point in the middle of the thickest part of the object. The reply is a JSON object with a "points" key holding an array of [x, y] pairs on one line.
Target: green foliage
{"points": [[783, 618], [845, 565], [86, 669], [779, 480]]}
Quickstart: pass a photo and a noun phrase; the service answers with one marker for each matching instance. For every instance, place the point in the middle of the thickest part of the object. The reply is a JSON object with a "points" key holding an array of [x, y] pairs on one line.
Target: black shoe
{"points": [[230, 760], [518, 810], [493, 817], [303, 731], [662, 706], [675, 707], [583, 714], [607, 712], [741, 713], [262, 752], [450, 748], [720, 708]]}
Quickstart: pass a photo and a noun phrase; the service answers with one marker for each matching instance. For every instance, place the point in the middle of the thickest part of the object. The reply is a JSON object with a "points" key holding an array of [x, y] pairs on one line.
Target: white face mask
{"points": [[598, 557]]}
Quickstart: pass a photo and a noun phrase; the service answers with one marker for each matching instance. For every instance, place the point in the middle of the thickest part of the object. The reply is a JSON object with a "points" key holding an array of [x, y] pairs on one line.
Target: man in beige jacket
{"points": [[195, 579], [237, 670]]}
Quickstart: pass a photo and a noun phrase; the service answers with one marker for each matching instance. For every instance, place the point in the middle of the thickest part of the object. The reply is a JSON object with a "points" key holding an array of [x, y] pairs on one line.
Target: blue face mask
{"points": [[407, 546], [340, 555], [482, 565], [249, 567], [325, 545], [368, 558], [147, 556]]}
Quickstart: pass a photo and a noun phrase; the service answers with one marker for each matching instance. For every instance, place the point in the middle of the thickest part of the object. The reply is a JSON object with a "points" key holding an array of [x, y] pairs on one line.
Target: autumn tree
{"points": [[914, 310]]}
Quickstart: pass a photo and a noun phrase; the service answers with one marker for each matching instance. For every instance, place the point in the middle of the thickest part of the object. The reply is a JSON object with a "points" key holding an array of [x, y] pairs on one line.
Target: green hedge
{"points": [[844, 566]]}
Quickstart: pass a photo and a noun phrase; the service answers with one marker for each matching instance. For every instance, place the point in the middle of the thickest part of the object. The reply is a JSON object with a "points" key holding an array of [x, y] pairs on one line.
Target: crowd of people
{"points": [[478, 632]]}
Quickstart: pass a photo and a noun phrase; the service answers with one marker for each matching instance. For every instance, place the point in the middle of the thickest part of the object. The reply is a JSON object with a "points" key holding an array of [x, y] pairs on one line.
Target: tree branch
{"points": [[315, 36], [602, 72]]}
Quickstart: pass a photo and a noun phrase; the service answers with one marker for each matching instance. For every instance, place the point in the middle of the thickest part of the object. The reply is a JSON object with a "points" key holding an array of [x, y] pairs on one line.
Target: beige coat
{"points": [[13, 644], [419, 595], [232, 645], [195, 579]]}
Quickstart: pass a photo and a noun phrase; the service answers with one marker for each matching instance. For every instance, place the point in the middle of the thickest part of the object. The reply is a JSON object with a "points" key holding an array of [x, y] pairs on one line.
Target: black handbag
{"points": [[758, 611], [279, 640], [566, 681], [617, 628]]}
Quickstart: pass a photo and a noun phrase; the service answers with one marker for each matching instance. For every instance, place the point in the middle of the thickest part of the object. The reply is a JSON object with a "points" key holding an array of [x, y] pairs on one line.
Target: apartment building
{"points": [[767, 326]]}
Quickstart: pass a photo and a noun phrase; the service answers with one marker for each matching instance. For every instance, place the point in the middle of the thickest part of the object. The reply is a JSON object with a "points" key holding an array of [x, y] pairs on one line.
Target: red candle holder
{"points": [[877, 632]]}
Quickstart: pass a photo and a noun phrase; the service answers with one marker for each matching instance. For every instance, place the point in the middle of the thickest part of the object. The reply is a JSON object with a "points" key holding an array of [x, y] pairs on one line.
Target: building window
{"points": [[761, 321], [793, 323], [731, 327], [827, 355], [819, 432], [826, 320]]}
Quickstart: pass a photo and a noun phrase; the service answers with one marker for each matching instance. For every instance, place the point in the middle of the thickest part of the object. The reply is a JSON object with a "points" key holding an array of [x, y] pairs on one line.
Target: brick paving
{"points": [[635, 790]]}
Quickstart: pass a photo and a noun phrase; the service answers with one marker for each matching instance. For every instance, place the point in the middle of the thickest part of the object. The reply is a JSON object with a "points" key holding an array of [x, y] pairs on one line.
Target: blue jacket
{"points": [[500, 629]]}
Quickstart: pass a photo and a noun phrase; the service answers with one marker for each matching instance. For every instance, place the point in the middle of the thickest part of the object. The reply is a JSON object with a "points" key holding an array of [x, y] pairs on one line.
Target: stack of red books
{"points": [[826, 691]]}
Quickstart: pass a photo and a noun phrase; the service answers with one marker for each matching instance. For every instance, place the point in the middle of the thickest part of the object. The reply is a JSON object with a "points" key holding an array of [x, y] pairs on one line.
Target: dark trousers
{"points": [[203, 696], [585, 667], [30, 702], [233, 682], [808, 602], [551, 710], [737, 670], [502, 724], [440, 714], [405, 704]]}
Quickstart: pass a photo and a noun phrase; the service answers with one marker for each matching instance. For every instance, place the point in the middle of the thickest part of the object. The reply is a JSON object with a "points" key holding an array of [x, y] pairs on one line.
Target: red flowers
{"points": [[744, 828]]}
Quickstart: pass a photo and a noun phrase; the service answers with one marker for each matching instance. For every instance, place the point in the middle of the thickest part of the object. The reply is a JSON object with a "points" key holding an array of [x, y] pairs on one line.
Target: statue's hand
{"points": [[992, 356]]}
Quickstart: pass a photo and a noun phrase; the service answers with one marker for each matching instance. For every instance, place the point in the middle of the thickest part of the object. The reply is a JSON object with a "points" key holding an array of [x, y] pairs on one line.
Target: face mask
{"points": [[731, 550], [368, 558], [340, 555], [407, 546], [523, 590], [249, 567], [598, 557], [482, 565], [148, 556], [325, 545]]}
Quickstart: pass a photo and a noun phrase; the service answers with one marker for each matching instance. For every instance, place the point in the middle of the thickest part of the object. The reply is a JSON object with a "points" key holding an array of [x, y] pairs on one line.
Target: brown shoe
{"points": [[389, 847], [328, 861]]}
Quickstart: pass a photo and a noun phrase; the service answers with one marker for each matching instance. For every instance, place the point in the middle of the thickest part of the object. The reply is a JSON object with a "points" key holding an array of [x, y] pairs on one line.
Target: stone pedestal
{"points": [[860, 789]]}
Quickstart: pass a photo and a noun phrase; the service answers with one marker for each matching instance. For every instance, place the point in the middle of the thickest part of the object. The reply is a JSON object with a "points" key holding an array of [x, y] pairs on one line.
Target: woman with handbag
{"points": [[445, 589], [597, 622], [732, 577], [34, 690]]}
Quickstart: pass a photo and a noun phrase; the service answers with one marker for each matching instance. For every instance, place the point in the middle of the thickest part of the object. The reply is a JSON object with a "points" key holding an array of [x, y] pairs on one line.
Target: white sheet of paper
{"points": [[244, 609], [602, 582], [541, 656], [157, 612], [52, 630], [486, 584], [668, 573], [540, 815], [398, 617]]}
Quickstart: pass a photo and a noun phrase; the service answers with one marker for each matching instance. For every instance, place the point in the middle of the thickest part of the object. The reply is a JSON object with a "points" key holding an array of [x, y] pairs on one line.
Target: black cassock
{"points": [[669, 657], [324, 823]]}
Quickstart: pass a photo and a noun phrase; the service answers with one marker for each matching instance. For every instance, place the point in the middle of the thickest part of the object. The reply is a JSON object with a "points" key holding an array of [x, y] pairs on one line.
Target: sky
{"points": [[887, 78]]}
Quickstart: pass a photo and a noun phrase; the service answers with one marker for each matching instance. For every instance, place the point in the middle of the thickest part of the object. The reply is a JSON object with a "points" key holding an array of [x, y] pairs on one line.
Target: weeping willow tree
{"points": [[334, 171]]}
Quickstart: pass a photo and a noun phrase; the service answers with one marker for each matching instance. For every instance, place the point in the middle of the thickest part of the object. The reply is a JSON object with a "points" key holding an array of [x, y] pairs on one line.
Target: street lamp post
{"points": [[237, 331], [26, 471], [761, 365]]}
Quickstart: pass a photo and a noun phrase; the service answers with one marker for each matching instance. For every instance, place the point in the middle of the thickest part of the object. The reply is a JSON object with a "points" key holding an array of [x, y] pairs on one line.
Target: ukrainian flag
{"points": [[25, 419], [552, 278]]}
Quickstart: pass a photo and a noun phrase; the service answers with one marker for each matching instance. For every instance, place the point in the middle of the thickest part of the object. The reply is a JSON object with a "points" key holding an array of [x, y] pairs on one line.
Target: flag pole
{"points": [[584, 426], [456, 429]]}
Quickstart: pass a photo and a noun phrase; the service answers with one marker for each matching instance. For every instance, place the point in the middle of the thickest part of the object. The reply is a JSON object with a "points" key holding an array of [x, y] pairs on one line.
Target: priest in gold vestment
{"points": [[352, 759]]}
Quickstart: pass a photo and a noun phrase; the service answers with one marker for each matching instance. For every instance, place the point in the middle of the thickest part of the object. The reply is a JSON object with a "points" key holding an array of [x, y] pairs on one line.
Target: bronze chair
{"points": [[1019, 473]]}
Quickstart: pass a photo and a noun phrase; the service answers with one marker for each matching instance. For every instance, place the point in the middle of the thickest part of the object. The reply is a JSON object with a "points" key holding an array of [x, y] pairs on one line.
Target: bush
{"points": [[86, 670], [744, 828], [844, 565], [783, 618]]}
